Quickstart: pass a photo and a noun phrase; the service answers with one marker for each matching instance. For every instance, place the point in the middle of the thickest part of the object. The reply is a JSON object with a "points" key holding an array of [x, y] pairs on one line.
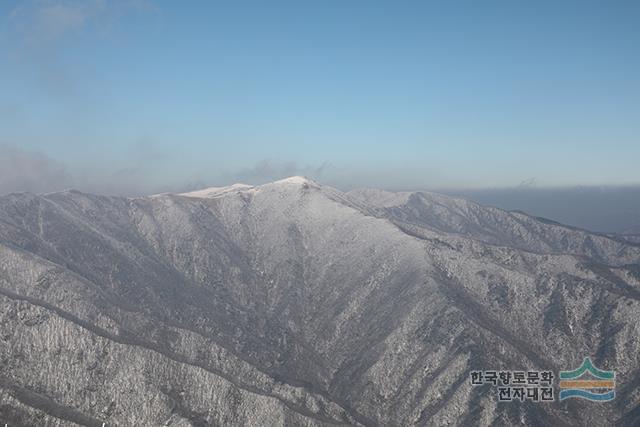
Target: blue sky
{"points": [[140, 96]]}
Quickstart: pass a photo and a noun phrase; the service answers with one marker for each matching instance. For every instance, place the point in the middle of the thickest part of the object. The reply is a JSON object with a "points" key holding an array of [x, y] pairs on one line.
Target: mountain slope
{"points": [[293, 303], [496, 226]]}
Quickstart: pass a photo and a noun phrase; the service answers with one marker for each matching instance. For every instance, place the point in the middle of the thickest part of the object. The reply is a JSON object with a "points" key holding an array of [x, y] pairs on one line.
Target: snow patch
{"points": [[207, 193], [217, 191], [297, 180]]}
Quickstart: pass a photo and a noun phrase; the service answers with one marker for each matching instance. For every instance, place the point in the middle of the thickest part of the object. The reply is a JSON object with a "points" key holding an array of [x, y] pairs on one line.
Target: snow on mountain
{"points": [[296, 180], [292, 303], [217, 191]]}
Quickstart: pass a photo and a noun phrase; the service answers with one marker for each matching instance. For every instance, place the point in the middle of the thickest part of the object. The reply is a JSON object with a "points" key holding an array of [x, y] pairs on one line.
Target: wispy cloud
{"points": [[609, 209], [22, 170], [45, 22], [37, 33], [37, 22], [269, 170], [143, 172]]}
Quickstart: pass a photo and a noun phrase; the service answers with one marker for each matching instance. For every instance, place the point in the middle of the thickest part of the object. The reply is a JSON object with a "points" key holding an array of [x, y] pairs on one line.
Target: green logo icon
{"points": [[599, 388]]}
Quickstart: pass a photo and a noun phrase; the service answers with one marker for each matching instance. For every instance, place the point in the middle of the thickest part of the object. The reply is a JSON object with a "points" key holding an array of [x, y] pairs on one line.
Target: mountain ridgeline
{"points": [[293, 303]]}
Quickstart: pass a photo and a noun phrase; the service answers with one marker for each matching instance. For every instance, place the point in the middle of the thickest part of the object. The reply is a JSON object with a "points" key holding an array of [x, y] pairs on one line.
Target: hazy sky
{"points": [[139, 96]]}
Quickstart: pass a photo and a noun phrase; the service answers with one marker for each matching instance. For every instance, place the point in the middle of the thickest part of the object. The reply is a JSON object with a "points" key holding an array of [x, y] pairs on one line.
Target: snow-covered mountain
{"points": [[293, 303]]}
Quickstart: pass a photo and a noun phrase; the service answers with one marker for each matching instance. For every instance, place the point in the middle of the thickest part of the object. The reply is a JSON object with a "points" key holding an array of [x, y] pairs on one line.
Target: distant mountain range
{"points": [[608, 209], [293, 303]]}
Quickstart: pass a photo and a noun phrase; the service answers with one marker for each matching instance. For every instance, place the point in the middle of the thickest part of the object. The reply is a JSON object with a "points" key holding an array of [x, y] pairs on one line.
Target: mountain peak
{"points": [[238, 187], [216, 191], [297, 180]]}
